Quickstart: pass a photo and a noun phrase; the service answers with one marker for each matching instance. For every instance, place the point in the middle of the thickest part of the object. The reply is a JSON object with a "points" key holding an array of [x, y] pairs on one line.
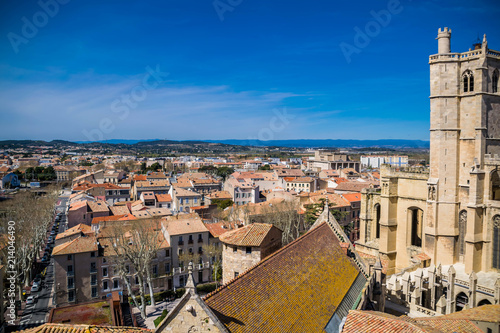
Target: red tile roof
{"points": [[250, 235], [296, 289], [371, 321], [217, 229], [163, 198], [352, 197], [79, 245]]}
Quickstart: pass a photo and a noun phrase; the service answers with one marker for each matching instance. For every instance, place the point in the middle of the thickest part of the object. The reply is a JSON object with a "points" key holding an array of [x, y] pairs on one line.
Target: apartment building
{"points": [[183, 199], [242, 191], [187, 234]]}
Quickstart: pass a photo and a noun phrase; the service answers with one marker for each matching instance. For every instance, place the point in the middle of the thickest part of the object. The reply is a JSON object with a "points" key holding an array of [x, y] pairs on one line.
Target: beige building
{"points": [[244, 247], [450, 213], [331, 160], [301, 184]]}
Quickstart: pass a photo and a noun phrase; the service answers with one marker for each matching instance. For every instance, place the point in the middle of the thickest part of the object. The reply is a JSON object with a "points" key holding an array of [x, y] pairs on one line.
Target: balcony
{"points": [[93, 270], [70, 273], [190, 241], [71, 286], [180, 243], [200, 240]]}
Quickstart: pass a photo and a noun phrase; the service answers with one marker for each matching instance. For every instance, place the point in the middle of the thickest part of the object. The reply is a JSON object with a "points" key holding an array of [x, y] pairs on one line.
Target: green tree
{"points": [[265, 167], [224, 171]]}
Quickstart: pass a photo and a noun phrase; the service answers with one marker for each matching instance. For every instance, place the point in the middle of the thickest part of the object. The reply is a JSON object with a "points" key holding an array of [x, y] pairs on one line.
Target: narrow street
{"points": [[37, 313]]}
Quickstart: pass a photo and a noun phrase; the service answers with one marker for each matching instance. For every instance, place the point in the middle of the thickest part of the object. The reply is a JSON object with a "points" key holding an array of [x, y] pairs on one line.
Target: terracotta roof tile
{"points": [[163, 198], [79, 228], [81, 244], [250, 235], [296, 289], [371, 321], [184, 224]]}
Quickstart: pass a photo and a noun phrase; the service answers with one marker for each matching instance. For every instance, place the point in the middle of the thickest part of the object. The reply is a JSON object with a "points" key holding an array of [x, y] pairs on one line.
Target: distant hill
{"points": [[388, 143], [142, 144]]}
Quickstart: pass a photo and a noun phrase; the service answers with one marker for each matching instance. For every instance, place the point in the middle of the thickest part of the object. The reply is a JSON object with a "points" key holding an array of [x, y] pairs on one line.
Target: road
{"points": [[37, 313]]}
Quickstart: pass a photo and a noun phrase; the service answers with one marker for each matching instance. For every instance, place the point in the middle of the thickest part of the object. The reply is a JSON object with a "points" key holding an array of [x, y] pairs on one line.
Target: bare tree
{"points": [[214, 253], [284, 215], [136, 243], [31, 216]]}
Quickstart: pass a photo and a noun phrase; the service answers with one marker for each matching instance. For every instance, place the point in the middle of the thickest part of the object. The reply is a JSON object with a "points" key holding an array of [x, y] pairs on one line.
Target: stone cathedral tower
{"points": [[465, 138], [449, 213]]}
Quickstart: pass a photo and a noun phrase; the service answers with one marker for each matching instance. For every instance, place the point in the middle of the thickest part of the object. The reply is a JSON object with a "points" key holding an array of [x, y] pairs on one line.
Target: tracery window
{"points": [[468, 81]]}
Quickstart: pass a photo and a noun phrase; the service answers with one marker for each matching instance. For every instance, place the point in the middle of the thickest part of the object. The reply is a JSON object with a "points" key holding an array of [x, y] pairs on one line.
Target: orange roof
{"points": [[78, 205], [79, 245], [79, 228], [372, 321], [276, 294], [97, 220], [250, 235], [352, 197], [184, 224], [140, 177], [119, 210], [163, 198], [217, 229], [99, 206]]}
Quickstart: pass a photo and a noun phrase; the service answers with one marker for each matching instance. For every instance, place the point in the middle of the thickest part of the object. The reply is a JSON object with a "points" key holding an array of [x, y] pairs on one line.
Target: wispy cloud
{"points": [[169, 111]]}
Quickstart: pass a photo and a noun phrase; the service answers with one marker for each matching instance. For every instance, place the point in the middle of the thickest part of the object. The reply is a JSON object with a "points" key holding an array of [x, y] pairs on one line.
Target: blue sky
{"points": [[225, 69]]}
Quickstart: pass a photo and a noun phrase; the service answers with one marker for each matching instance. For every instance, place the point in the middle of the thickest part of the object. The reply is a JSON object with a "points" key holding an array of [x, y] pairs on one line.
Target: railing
{"points": [[181, 243], [70, 273], [425, 311], [71, 286]]}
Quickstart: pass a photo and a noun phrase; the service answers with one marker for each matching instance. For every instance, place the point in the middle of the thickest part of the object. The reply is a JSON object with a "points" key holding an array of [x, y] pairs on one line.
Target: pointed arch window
{"points": [[496, 242], [494, 81], [462, 229], [468, 81]]}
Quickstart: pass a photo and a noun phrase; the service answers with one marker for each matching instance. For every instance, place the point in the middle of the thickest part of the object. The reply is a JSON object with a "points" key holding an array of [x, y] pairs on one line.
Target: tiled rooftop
{"points": [[250, 235], [296, 289]]}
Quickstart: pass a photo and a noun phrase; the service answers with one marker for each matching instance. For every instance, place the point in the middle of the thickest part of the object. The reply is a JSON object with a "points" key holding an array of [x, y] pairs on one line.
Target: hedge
{"points": [[160, 296], [158, 320], [207, 287]]}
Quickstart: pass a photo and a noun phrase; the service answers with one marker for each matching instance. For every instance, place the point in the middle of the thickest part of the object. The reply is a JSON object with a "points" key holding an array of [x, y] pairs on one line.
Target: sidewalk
{"points": [[153, 312]]}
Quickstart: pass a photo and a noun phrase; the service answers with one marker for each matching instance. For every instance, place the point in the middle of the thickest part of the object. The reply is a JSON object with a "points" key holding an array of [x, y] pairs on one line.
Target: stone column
{"points": [[450, 299], [497, 292], [432, 280], [472, 289], [419, 275]]}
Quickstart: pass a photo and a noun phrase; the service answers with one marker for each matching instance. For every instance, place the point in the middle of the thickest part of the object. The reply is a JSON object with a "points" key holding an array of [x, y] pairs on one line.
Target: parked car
{"points": [[30, 300], [35, 287]]}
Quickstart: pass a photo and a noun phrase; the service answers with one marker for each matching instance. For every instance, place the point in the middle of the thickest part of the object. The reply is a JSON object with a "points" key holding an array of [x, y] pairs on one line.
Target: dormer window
{"points": [[468, 81]]}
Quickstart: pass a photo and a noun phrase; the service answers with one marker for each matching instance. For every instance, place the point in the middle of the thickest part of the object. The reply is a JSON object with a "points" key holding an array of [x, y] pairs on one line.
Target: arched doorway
{"points": [[483, 302], [461, 302], [416, 219]]}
